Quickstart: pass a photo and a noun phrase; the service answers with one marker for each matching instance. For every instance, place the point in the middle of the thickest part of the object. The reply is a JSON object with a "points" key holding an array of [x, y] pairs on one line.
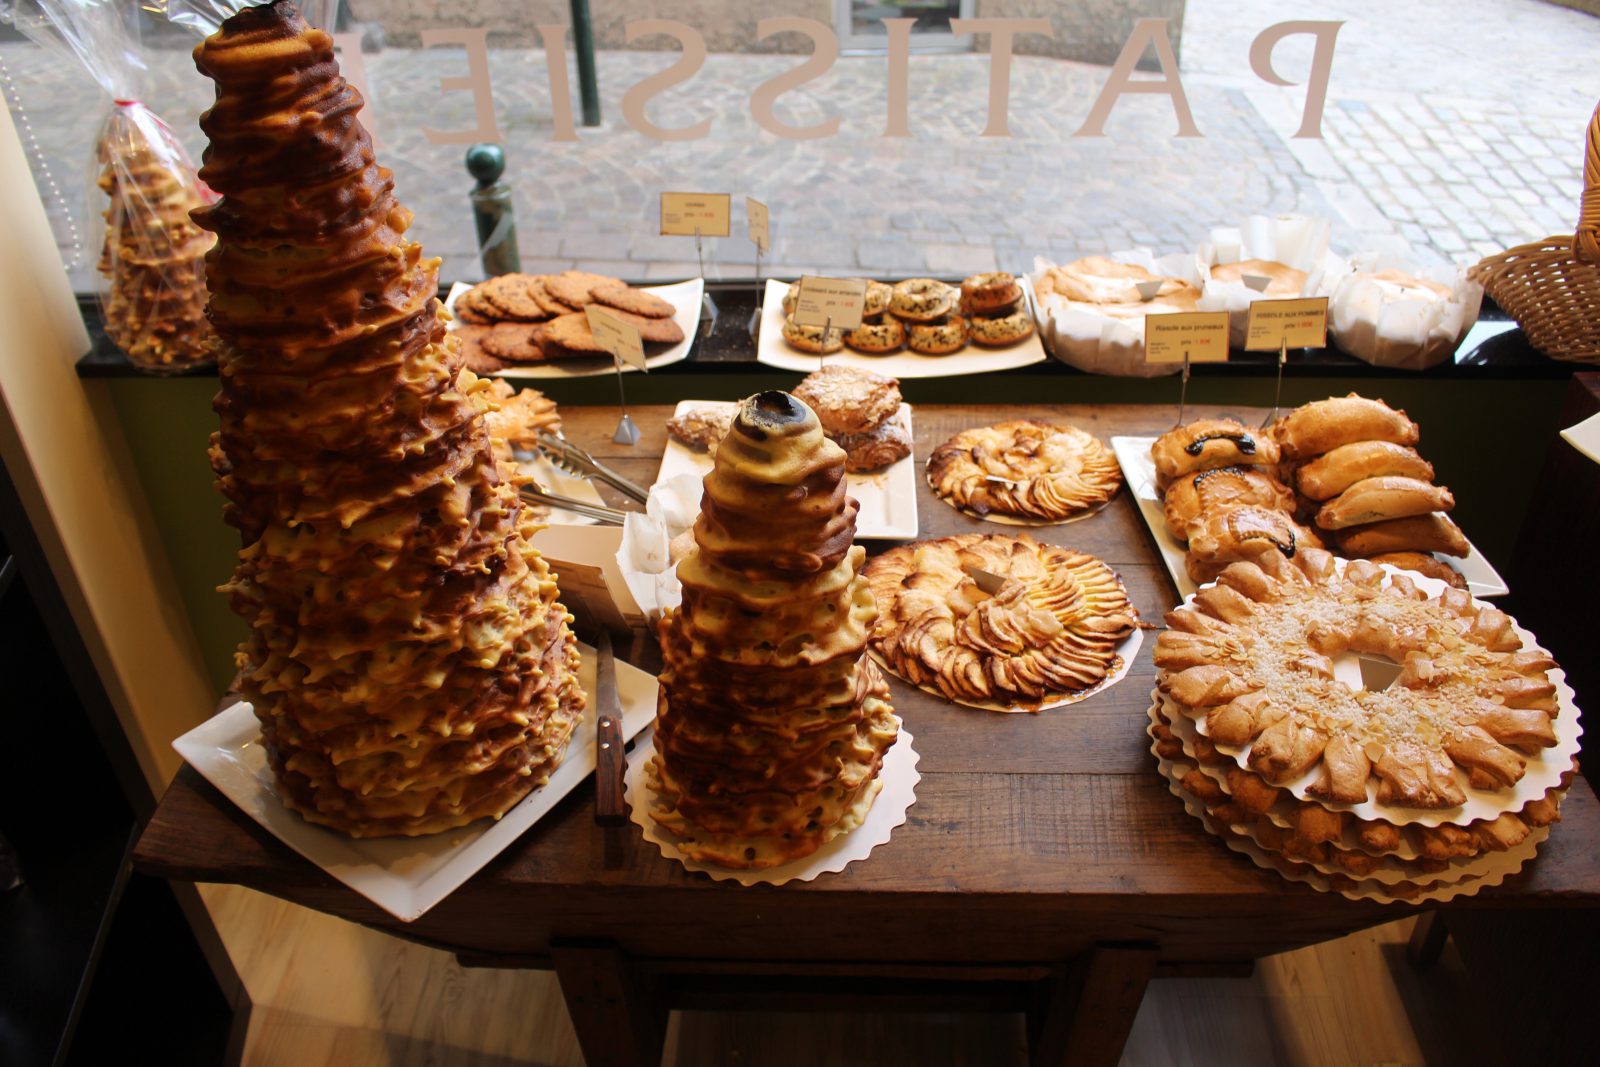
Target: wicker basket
{"points": [[1552, 287]]}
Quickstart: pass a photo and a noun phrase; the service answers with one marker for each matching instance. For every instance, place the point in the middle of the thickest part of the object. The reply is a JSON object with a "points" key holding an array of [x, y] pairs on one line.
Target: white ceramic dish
{"points": [[685, 299], [405, 876], [1133, 453], [774, 351], [888, 497]]}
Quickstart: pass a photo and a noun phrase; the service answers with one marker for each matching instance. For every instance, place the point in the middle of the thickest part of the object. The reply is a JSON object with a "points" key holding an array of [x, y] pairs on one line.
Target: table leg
{"points": [[1427, 940], [614, 1009], [1086, 1011]]}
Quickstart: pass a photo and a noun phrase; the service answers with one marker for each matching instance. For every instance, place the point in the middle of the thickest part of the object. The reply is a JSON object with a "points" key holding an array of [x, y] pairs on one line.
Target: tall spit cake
{"points": [[772, 723], [408, 659]]}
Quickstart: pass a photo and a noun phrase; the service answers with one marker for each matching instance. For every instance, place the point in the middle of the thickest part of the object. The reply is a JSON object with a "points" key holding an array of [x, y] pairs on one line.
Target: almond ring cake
{"points": [[1461, 733], [1025, 469], [1052, 633]]}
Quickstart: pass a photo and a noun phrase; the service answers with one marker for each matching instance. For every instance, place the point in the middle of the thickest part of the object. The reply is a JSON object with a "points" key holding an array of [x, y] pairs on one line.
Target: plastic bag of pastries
{"points": [[152, 255]]}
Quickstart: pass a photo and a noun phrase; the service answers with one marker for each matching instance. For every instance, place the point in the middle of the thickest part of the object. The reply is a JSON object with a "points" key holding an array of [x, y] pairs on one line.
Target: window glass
{"points": [[1448, 131]]}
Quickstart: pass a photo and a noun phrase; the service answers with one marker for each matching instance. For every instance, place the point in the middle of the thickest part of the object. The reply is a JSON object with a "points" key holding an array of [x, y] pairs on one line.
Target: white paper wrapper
{"points": [[647, 567], [1375, 323], [1081, 336], [1298, 241], [1126, 651], [898, 774], [1490, 869], [1544, 769]]}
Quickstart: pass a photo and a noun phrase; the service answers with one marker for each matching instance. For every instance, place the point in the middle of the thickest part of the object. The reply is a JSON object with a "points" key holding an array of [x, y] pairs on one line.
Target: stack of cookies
{"points": [[535, 318]]}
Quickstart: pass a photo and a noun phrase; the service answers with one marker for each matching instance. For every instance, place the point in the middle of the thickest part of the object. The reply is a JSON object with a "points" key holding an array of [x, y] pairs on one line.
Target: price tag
{"points": [[619, 338], [1299, 323], [838, 301], [1200, 335], [756, 216], [688, 214]]}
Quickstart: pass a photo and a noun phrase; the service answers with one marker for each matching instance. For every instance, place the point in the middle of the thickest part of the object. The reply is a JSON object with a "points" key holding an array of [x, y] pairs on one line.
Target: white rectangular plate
{"points": [[405, 876], [1133, 453], [774, 351], [683, 296], [888, 497]]}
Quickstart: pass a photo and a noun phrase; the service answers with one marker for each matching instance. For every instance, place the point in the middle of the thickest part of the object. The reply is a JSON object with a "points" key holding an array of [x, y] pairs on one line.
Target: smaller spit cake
{"points": [[772, 723]]}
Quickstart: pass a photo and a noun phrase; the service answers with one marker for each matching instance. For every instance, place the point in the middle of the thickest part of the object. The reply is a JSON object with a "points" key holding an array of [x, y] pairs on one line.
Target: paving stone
{"points": [[1485, 129]]}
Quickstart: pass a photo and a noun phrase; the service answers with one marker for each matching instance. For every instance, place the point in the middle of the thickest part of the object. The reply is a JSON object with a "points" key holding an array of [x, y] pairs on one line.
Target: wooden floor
{"points": [[329, 992]]}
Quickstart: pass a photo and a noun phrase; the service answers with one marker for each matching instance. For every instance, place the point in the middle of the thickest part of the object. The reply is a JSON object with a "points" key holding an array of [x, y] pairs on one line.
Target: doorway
{"points": [[859, 24]]}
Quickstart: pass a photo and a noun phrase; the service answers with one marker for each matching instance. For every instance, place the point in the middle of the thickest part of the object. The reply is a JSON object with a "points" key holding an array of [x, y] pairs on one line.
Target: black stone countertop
{"points": [[728, 347]]}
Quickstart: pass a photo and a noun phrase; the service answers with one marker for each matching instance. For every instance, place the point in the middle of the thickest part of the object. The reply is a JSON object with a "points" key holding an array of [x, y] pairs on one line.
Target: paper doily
{"points": [[898, 775], [1127, 649], [1497, 866]]}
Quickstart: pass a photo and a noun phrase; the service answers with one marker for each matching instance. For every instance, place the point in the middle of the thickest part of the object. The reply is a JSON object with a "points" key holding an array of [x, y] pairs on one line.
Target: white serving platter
{"points": [[1139, 469], [685, 299], [888, 497], [405, 876], [774, 351]]}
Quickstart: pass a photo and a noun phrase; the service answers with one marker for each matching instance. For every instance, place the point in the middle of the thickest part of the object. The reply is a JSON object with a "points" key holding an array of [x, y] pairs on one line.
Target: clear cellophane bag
{"points": [[152, 255]]}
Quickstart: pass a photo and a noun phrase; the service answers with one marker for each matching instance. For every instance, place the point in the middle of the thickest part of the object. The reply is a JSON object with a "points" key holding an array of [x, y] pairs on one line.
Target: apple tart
{"points": [[1025, 469], [1051, 631]]}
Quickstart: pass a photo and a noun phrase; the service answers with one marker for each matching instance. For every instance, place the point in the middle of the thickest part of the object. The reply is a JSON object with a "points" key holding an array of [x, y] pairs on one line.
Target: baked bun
{"points": [[1327, 476], [1283, 281], [1240, 534], [1425, 565], [1208, 443], [1323, 425], [1194, 495], [1376, 499], [1418, 533]]}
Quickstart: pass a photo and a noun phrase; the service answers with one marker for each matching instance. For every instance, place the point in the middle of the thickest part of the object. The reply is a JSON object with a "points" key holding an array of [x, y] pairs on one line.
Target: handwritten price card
{"points": [[1274, 324], [619, 338], [689, 214], [756, 215], [1202, 336], [838, 301]]}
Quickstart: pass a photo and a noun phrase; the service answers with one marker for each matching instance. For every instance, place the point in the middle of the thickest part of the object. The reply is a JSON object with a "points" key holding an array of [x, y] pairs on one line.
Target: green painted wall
{"points": [[1487, 440]]}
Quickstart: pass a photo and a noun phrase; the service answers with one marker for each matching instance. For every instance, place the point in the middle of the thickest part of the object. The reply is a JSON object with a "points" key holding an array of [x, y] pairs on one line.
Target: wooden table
{"points": [[1044, 864]]}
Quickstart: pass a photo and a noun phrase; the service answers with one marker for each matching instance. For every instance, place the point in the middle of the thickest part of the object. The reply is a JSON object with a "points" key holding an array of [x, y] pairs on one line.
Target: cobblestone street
{"points": [[1451, 131]]}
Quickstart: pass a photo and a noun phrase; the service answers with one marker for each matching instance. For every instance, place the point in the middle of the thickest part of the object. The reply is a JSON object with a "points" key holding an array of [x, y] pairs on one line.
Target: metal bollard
{"points": [[492, 211]]}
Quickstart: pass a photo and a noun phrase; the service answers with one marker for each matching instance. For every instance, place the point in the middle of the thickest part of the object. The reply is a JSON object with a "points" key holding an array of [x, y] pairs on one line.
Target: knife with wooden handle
{"points": [[609, 755]]}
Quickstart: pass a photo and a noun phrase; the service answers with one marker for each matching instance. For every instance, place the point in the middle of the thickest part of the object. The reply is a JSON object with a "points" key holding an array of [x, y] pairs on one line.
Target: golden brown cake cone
{"points": [[772, 723], [408, 659]]}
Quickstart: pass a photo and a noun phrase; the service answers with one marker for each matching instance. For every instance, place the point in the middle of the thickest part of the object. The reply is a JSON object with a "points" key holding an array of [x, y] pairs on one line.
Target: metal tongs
{"points": [[536, 495], [574, 460]]}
